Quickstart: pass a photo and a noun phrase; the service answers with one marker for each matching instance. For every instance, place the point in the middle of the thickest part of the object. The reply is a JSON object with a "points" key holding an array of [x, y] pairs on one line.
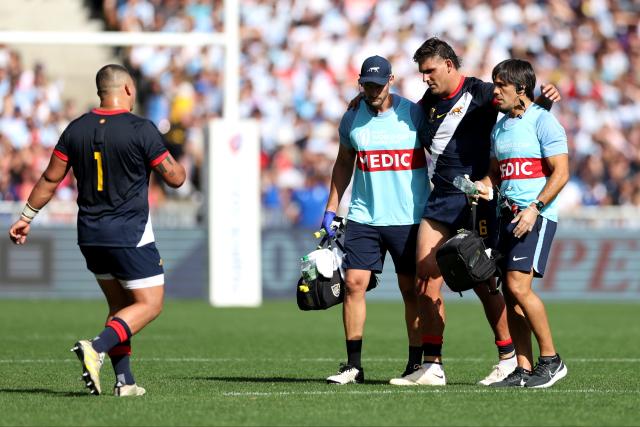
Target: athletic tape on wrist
{"points": [[29, 212]]}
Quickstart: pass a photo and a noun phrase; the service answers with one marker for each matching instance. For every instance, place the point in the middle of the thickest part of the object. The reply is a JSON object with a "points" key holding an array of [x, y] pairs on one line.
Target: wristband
{"points": [[29, 212]]}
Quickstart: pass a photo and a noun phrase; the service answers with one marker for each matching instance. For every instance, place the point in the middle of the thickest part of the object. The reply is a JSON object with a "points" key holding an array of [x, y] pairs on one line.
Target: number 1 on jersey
{"points": [[98, 158]]}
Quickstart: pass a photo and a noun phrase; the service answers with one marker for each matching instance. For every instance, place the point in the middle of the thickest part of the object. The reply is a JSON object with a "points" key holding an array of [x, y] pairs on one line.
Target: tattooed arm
{"points": [[171, 171]]}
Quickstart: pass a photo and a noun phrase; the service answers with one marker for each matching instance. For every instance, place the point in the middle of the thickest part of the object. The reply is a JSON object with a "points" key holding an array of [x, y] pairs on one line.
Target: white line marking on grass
{"points": [[316, 359], [413, 390]]}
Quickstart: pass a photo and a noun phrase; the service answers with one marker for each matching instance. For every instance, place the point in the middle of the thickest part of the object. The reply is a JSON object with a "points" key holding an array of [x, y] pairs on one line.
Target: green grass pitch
{"points": [[266, 366]]}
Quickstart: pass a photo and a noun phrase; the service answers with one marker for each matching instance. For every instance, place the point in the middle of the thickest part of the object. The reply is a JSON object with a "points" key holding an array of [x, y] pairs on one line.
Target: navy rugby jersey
{"points": [[112, 154], [459, 132]]}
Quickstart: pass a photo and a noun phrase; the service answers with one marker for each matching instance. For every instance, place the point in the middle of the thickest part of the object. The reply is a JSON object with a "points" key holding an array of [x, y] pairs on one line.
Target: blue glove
{"points": [[326, 223]]}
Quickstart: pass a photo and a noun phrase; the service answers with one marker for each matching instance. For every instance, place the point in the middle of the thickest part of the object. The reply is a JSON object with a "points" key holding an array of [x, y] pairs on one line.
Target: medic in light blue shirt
{"points": [[530, 161]]}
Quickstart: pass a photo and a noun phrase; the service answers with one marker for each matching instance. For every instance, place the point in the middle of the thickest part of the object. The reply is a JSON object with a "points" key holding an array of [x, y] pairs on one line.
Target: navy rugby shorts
{"points": [[531, 251], [367, 245], [454, 211], [134, 268]]}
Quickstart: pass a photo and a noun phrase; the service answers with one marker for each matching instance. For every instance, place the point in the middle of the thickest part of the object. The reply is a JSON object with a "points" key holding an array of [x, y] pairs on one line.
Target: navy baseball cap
{"points": [[375, 69]]}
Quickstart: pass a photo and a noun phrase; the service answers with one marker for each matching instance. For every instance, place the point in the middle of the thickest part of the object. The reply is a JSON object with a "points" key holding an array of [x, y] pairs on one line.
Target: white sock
{"points": [[511, 362], [433, 365]]}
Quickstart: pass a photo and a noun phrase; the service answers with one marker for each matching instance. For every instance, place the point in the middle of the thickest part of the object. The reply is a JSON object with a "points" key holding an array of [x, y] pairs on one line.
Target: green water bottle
{"points": [[308, 269]]}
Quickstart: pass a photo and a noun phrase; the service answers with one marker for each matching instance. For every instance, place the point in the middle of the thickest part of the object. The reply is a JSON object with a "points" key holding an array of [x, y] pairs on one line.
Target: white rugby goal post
{"points": [[233, 198]]}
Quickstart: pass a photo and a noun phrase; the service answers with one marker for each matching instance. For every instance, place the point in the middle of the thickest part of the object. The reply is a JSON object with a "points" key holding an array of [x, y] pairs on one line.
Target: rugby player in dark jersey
{"points": [[112, 153], [460, 115]]}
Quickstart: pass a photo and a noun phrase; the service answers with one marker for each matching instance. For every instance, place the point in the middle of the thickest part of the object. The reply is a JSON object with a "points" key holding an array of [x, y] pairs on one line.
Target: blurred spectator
{"points": [[297, 64], [311, 200]]}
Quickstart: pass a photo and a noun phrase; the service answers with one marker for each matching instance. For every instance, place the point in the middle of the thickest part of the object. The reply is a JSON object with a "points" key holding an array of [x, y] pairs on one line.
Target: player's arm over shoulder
{"points": [[481, 91], [419, 119], [158, 156]]}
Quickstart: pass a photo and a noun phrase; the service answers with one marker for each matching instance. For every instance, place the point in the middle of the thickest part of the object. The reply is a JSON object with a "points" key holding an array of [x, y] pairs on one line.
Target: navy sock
{"points": [[120, 356], [354, 351], [505, 348], [116, 331]]}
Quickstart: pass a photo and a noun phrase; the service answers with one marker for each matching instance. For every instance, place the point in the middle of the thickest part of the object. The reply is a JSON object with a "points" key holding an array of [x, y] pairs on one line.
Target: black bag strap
{"points": [[474, 206], [328, 242], [338, 244]]}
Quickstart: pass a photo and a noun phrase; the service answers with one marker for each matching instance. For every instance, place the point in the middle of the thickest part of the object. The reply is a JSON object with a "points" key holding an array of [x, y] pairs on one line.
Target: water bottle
{"points": [[308, 269], [464, 184]]}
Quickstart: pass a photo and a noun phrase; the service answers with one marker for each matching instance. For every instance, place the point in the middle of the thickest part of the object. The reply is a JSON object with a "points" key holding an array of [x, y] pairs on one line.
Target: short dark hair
{"points": [[436, 47], [517, 72], [108, 75]]}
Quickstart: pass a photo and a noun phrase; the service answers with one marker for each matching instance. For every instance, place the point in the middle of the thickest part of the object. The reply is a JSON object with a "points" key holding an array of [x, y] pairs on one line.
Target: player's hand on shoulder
{"points": [[551, 92], [353, 104], [19, 231]]}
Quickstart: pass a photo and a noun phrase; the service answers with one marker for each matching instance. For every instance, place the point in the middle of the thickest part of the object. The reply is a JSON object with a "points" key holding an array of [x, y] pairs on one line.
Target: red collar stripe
{"points": [[455, 92], [102, 112]]}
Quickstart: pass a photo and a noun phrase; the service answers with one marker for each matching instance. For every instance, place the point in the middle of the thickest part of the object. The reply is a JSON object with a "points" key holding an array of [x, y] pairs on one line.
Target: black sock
{"points": [[116, 331], [120, 356], [549, 359], [415, 355], [354, 351], [432, 345]]}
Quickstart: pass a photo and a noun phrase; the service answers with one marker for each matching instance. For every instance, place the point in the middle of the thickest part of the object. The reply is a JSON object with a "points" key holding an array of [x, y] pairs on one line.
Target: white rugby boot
{"points": [[428, 374]]}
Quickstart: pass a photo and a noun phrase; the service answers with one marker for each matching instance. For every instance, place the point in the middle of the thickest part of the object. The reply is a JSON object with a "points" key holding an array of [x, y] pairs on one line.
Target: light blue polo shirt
{"points": [[520, 145], [390, 184]]}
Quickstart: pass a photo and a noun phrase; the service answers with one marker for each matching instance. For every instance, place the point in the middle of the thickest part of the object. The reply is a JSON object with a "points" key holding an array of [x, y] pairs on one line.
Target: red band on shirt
{"points": [[102, 112], [155, 162], [523, 168], [391, 160], [59, 154], [432, 339], [455, 92]]}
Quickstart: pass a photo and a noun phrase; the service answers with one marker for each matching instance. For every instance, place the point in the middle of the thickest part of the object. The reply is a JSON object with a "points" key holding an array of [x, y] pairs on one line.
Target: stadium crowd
{"points": [[299, 65]]}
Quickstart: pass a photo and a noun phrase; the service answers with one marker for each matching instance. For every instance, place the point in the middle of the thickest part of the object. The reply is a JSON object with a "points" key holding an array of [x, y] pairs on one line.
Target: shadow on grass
{"points": [[44, 391], [271, 380]]}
